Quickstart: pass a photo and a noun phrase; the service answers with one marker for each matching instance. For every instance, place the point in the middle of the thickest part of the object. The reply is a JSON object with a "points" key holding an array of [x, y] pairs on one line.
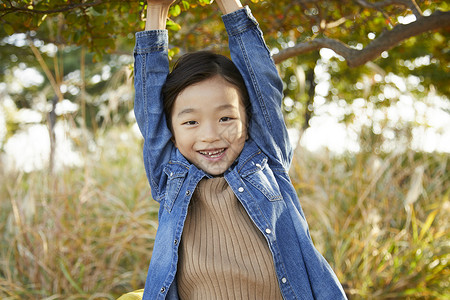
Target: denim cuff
{"points": [[239, 21], [151, 41]]}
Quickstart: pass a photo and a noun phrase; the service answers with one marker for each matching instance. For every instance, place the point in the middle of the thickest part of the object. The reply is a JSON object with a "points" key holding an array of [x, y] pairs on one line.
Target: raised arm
{"points": [[229, 6], [157, 11], [251, 55], [151, 67]]}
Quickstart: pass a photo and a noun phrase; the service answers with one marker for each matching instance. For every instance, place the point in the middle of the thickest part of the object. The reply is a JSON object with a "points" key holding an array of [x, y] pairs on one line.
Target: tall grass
{"points": [[82, 234], [380, 220]]}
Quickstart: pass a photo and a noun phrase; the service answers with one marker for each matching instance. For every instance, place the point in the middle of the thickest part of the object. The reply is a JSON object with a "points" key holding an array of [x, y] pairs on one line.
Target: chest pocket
{"points": [[258, 174], [175, 178]]}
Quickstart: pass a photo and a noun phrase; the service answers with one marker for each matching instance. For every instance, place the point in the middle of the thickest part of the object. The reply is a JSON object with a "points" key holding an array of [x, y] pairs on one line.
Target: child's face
{"points": [[209, 124]]}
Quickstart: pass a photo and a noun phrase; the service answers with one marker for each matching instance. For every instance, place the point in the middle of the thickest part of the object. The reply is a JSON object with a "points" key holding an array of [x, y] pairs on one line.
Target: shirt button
{"points": [[163, 289], [175, 242], [188, 193], [240, 189], [268, 231], [283, 280]]}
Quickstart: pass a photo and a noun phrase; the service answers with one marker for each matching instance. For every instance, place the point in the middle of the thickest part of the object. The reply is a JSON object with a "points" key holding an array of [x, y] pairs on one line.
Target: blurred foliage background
{"points": [[80, 223]]}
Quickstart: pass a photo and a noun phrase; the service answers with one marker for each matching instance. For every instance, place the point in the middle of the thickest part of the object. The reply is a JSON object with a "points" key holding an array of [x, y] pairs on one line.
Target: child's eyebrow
{"points": [[226, 106], [219, 108], [186, 111]]}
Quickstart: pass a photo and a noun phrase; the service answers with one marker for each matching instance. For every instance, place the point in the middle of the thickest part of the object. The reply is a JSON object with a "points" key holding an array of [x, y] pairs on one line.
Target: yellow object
{"points": [[134, 295]]}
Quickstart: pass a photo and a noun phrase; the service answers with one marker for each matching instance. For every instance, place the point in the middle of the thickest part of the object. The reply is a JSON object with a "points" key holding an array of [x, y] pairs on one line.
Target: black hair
{"points": [[195, 67]]}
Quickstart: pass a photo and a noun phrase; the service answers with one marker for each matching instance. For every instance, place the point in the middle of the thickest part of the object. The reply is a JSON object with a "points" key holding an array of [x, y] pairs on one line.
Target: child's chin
{"points": [[215, 171]]}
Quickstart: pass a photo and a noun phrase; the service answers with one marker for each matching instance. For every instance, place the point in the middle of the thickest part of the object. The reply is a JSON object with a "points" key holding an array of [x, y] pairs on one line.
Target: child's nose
{"points": [[209, 133]]}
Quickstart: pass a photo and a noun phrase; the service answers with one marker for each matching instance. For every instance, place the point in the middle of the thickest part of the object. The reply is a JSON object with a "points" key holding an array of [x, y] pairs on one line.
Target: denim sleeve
{"points": [[151, 67], [250, 54]]}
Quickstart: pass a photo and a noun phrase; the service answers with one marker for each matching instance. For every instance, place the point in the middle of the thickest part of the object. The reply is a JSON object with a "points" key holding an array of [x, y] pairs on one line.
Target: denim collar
{"points": [[251, 159]]}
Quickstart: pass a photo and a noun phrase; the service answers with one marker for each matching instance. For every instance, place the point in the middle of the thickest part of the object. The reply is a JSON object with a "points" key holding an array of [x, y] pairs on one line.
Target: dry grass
{"points": [[82, 234], [381, 221]]}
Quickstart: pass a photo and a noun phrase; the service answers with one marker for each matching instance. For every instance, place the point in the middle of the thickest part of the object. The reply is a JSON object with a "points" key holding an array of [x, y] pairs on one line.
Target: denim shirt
{"points": [[259, 177]]}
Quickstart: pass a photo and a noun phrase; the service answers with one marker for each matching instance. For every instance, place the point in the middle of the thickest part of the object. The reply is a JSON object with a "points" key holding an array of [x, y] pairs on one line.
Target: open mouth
{"points": [[213, 153]]}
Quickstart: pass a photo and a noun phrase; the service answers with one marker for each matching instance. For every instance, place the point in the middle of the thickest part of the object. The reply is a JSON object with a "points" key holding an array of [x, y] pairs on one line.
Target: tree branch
{"points": [[411, 4], [12, 9], [384, 42], [376, 6]]}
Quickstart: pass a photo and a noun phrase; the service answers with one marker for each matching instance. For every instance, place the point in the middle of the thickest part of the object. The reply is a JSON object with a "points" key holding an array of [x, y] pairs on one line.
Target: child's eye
{"points": [[190, 123], [225, 119]]}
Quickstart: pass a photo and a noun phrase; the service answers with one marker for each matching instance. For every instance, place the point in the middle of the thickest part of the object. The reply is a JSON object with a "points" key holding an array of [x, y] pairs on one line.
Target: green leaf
{"points": [[42, 19], [204, 2], [185, 4], [8, 29], [174, 51], [171, 25], [175, 10]]}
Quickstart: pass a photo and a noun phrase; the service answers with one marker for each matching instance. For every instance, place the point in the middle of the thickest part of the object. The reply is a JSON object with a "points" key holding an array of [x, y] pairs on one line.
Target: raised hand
{"points": [[160, 2], [228, 6], [157, 11]]}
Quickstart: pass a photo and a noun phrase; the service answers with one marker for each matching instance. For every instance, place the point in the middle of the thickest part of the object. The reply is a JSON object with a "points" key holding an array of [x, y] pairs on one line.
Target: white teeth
{"points": [[212, 153]]}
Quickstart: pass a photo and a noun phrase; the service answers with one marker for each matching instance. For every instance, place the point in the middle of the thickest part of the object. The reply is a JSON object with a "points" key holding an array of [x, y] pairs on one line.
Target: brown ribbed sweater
{"points": [[222, 253]]}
